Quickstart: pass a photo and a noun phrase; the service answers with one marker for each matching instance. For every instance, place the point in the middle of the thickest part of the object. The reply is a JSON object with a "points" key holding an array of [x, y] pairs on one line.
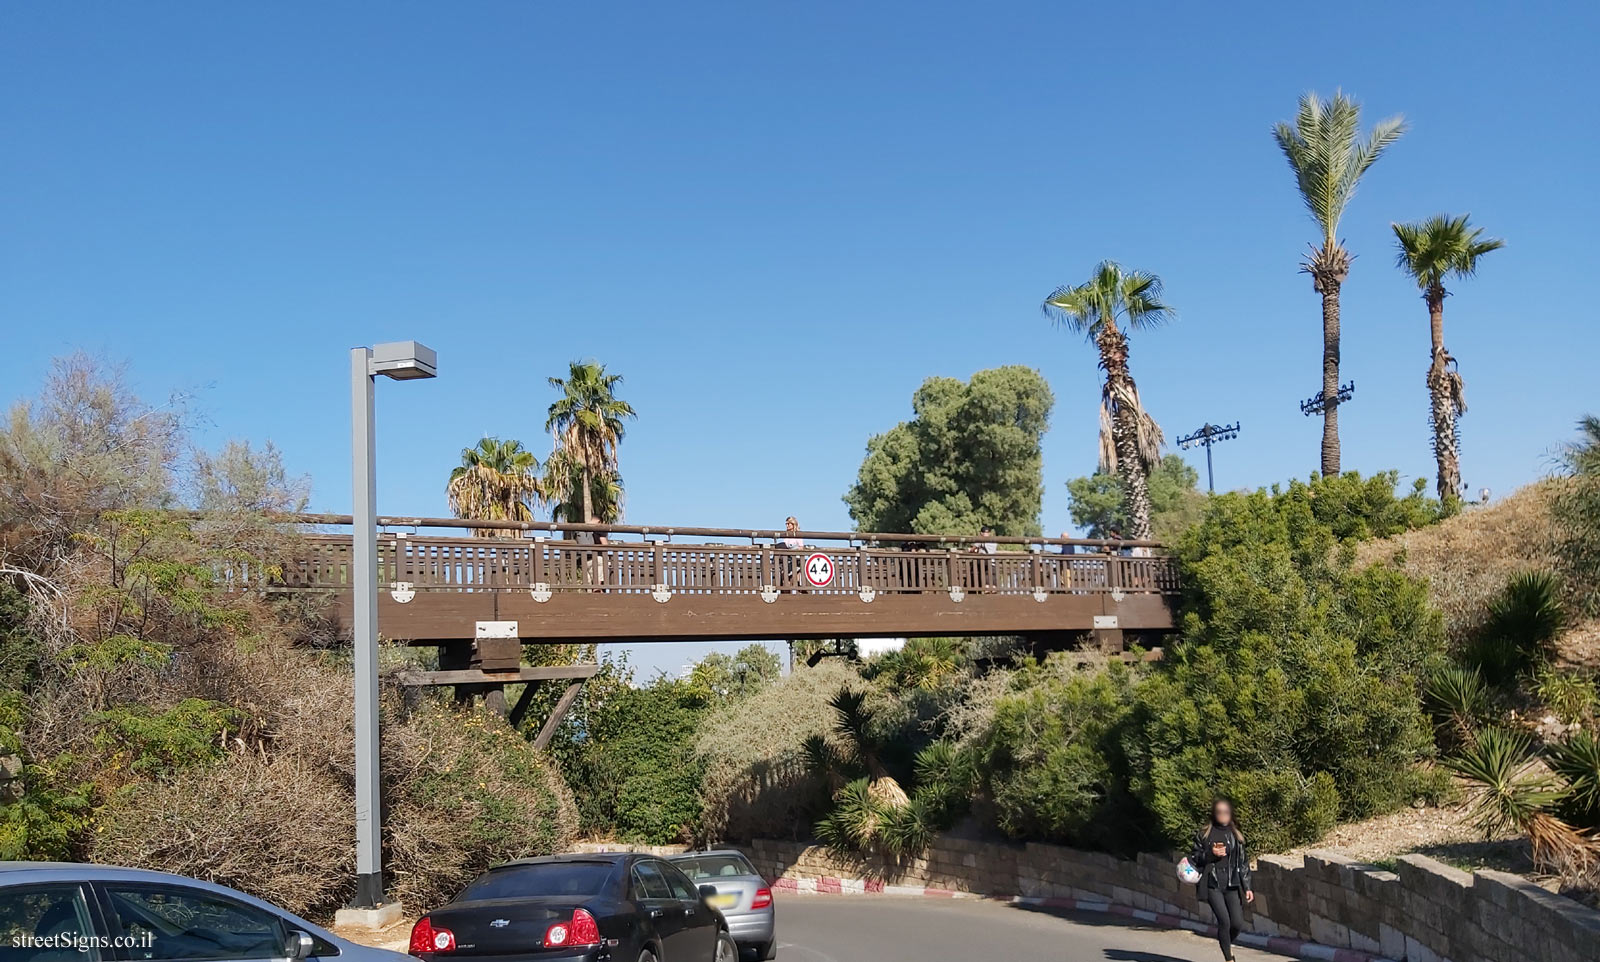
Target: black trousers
{"points": [[1230, 916]]}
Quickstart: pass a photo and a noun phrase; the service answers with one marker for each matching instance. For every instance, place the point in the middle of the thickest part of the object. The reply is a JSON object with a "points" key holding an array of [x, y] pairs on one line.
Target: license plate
{"points": [[724, 901]]}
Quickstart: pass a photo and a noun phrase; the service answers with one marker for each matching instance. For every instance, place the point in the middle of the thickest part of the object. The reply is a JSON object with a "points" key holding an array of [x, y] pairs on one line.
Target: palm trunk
{"points": [[1442, 401], [1330, 377], [588, 494], [1125, 430]]}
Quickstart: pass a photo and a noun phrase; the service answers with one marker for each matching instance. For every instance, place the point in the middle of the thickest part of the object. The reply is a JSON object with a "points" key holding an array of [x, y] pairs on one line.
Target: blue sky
{"points": [[776, 221]]}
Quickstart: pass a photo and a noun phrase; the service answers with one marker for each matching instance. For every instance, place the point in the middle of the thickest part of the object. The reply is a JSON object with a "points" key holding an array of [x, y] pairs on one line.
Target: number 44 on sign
{"points": [[819, 570]]}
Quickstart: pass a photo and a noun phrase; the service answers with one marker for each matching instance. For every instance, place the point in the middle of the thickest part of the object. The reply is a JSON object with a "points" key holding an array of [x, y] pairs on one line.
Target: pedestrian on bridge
{"points": [[1224, 866], [791, 563]]}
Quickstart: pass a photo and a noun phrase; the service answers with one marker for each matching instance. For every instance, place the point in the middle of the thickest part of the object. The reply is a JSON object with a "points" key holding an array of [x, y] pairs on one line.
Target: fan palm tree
{"points": [[587, 422], [563, 483], [1328, 155], [496, 481], [1430, 251], [1099, 308]]}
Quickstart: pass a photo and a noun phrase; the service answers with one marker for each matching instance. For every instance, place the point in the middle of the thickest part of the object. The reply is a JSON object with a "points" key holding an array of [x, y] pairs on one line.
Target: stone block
{"points": [[1329, 932], [1418, 952], [1440, 883], [1391, 942]]}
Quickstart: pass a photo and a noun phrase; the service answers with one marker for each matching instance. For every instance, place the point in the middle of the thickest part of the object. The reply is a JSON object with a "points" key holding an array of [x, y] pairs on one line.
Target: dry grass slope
{"points": [[1468, 559]]}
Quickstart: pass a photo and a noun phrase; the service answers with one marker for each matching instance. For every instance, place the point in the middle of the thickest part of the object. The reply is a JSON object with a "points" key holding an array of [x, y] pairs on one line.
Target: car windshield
{"points": [[532, 881], [702, 867]]}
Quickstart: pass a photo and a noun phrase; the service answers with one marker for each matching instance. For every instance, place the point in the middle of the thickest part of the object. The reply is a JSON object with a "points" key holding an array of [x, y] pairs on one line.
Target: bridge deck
{"points": [[440, 588]]}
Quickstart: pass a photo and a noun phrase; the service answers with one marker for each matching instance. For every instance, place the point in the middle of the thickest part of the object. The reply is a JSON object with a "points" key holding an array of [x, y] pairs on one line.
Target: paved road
{"points": [[825, 928]]}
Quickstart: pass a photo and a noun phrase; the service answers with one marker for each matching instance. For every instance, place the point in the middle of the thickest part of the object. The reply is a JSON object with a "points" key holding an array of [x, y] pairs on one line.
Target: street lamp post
{"points": [[402, 361]]}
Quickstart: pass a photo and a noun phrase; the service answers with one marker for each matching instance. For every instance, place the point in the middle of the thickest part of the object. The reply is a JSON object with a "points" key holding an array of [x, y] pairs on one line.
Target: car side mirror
{"points": [[298, 946], [706, 891]]}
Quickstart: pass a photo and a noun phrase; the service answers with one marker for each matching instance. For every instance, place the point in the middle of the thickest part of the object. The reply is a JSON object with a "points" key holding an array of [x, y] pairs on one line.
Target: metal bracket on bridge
{"points": [[956, 594], [1040, 595], [1117, 595], [540, 591], [661, 593], [769, 593], [868, 593], [402, 592]]}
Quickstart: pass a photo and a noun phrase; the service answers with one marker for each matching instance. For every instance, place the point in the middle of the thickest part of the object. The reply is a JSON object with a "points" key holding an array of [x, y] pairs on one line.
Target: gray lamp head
{"points": [[404, 360]]}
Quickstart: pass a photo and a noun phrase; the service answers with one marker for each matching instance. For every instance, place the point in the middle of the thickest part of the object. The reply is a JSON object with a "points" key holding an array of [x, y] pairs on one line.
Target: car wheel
{"points": [[647, 956], [727, 951]]}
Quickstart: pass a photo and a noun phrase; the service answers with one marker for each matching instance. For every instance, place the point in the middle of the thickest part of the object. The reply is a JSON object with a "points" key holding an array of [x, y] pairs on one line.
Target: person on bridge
{"points": [[791, 564], [1224, 867]]}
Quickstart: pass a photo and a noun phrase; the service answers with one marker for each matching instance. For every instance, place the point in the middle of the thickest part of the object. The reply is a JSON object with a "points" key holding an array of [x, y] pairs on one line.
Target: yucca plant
{"points": [[946, 779], [853, 724], [1576, 761], [1458, 701], [1510, 795], [1521, 628], [910, 829], [853, 824]]}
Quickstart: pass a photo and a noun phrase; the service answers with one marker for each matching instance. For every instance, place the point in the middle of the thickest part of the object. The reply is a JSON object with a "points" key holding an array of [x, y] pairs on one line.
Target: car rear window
{"points": [[702, 867], [531, 881]]}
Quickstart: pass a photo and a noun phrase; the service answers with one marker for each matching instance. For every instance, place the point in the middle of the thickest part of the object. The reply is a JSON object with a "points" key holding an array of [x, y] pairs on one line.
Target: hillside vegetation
{"points": [[1466, 560], [155, 719]]}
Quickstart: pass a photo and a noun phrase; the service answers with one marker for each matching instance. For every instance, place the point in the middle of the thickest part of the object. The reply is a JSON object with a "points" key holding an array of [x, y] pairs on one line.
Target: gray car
{"points": [[741, 894], [62, 912]]}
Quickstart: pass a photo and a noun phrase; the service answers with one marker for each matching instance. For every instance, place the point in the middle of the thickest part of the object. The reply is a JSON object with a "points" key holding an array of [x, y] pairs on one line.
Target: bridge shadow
{"points": [[1123, 955]]}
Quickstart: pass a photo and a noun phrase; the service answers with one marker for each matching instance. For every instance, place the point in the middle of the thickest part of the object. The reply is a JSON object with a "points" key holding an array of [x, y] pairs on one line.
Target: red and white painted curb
{"points": [[1295, 947]]}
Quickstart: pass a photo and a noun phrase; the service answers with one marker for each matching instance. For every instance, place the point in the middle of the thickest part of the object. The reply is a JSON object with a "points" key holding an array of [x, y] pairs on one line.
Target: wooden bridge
{"points": [[555, 583]]}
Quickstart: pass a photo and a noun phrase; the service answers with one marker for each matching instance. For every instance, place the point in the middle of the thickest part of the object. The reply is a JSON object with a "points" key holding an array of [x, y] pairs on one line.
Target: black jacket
{"points": [[1231, 871]]}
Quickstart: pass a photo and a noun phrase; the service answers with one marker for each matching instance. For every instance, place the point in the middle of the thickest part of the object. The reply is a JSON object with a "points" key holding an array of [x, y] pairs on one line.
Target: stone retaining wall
{"points": [[1424, 912]]}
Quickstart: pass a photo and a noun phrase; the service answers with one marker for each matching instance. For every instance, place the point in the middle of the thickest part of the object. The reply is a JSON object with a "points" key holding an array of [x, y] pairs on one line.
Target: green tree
{"points": [[587, 421], [1130, 441], [719, 678], [1097, 503], [1325, 150], [969, 456], [496, 481], [1430, 251]]}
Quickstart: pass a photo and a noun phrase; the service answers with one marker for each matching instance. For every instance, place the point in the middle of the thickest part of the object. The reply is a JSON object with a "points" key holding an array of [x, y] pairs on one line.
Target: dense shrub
{"points": [[1052, 763], [1296, 683], [1520, 629], [757, 783], [633, 768]]}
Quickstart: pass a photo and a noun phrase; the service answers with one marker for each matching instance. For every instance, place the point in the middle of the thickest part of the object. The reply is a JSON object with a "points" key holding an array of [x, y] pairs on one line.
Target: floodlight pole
{"points": [[364, 585], [1208, 435]]}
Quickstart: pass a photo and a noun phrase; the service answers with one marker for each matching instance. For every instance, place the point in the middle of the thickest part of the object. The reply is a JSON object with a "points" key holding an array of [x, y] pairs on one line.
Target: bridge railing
{"points": [[882, 564]]}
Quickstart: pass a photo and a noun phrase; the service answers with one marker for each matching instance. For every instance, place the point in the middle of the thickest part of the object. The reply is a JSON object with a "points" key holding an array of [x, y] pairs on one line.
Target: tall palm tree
{"points": [[587, 424], [1430, 251], [1130, 441], [496, 481], [1328, 155], [563, 483]]}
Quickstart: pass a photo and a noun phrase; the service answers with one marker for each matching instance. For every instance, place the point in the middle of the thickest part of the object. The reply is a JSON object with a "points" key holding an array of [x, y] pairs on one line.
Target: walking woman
{"points": [[1224, 868]]}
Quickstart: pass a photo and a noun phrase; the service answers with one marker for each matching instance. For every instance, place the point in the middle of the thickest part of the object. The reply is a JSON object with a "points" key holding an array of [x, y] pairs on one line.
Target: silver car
{"points": [[734, 887], [62, 912]]}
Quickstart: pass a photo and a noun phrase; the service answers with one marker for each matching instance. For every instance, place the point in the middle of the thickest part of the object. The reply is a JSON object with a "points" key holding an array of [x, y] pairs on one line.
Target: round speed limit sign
{"points": [[819, 570]]}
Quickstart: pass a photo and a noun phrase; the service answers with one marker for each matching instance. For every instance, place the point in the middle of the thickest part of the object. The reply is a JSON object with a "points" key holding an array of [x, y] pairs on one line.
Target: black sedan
{"points": [[577, 908]]}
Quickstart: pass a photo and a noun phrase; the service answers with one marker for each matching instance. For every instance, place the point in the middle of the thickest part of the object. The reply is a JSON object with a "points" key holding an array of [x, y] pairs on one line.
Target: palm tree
{"points": [[1328, 156], [496, 481], [1130, 441], [1429, 251], [587, 424], [563, 484]]}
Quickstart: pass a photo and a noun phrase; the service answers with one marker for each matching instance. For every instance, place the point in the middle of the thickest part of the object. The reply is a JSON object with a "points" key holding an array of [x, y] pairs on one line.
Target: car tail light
{"points": [[762, 900], [427, 939], [581, 929]]}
